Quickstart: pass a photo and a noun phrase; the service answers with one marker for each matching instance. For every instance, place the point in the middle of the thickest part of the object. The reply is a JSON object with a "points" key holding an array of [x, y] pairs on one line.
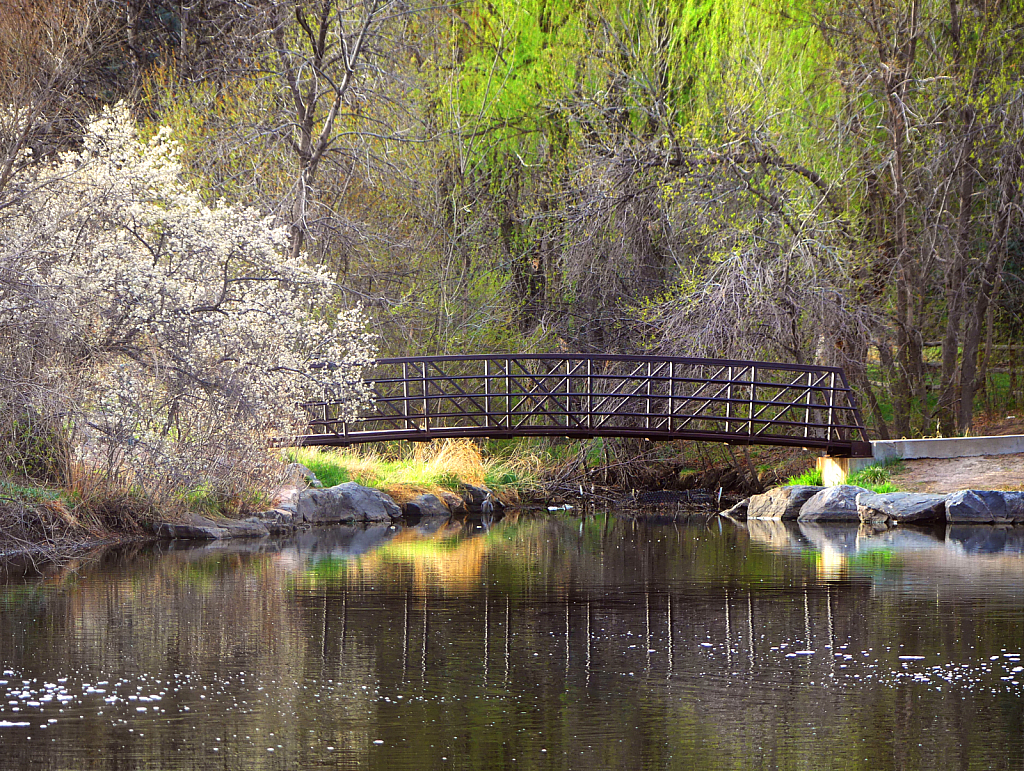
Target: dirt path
{"points": [[984, 472]]}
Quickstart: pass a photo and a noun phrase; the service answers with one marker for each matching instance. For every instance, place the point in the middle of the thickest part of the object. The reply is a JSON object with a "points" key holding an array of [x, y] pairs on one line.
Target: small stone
{"points": [[473, 496], [186, 531], [454, 503]]}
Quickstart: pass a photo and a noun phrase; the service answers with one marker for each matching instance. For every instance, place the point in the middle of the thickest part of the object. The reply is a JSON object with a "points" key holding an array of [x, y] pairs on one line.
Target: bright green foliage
{"points": [[516, 58], [877, 477], [699, 177], [811, 477]]}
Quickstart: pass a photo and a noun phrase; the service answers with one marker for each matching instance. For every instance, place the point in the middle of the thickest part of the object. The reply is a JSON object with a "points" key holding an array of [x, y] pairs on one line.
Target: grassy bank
{"points": [[54, 521], [405, 470], [877, 477]]}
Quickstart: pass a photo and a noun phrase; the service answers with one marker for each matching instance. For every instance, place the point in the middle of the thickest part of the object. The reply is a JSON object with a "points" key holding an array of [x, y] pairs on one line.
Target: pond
{"points": [[539, 643]]}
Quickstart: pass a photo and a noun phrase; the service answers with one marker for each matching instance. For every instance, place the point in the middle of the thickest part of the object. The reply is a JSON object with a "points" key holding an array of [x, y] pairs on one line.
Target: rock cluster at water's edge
{"points": [[847, 503], [346, 503]]}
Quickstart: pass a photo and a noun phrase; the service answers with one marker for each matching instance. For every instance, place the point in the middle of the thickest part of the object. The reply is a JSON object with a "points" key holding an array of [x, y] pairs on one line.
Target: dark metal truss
{"points": [[658, 398]]}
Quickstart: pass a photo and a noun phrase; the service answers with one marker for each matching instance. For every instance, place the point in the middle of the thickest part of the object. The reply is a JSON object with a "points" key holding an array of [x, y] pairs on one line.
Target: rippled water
{"points": [[543, 643]]}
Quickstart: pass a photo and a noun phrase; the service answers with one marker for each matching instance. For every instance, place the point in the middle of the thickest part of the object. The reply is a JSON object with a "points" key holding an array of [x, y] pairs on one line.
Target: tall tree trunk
{"points": [[909, 373], [1008, 203], [957, 274]]}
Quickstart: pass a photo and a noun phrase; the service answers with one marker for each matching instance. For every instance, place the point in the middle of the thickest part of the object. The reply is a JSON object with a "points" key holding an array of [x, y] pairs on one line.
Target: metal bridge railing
{"points": [[659, 398]]}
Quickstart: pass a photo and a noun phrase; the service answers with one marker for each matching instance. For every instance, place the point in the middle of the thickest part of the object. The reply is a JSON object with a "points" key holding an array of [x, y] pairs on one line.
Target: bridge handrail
{"points": [[659, 397]]}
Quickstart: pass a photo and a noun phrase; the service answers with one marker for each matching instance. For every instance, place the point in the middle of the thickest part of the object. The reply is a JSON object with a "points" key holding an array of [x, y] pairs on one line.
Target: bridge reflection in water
{"points": [[583, 396]]}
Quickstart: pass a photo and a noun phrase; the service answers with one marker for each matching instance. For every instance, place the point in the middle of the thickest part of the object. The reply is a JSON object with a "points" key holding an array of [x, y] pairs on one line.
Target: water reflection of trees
{"points": [[604, 639]]}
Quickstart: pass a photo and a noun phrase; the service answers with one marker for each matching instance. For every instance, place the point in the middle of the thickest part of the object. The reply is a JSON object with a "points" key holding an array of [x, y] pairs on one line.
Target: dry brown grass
{"points": [[459, 458], [423, 468]]}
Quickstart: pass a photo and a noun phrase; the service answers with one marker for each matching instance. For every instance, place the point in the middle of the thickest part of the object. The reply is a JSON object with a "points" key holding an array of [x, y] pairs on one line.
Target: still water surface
{"points": [[543, 643]]}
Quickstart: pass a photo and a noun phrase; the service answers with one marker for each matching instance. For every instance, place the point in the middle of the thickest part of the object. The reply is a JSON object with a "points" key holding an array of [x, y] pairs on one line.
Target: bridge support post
{"points": [[671, 394], [831, 406], [753, 386], [728, 401], [835, 471], [647, 405], [590, 392], [405, 394], [487, 392], [426, 401]]}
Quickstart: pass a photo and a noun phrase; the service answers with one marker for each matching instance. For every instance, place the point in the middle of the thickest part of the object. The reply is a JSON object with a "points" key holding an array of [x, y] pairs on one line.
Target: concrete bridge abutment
{"points": [[835, 471]]}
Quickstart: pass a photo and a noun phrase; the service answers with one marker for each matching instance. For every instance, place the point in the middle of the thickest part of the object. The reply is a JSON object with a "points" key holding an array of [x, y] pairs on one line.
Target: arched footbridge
{"points": [[583, 396]]}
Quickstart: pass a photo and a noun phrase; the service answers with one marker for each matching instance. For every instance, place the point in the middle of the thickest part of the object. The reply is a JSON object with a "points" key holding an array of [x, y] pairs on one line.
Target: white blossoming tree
{"points": [[172, 333]]}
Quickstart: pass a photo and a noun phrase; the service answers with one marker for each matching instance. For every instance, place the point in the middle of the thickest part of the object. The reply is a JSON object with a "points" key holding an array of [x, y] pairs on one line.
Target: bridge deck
{"points": [[658, 398]]}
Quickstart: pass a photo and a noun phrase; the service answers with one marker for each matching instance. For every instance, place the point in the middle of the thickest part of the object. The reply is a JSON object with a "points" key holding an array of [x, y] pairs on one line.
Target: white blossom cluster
{"points": [[179, 320]]}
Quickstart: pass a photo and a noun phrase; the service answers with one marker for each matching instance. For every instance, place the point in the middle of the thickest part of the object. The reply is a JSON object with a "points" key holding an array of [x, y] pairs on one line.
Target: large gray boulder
{"points": [[781, 502], [833, 504], [901, 507], [426, 505], [984, 506], [345, 503]]}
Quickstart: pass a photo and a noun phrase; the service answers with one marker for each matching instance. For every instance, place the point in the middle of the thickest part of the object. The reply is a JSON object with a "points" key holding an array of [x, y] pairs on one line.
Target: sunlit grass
{"points": [[811, 477], [404, 472], [876, 477]]}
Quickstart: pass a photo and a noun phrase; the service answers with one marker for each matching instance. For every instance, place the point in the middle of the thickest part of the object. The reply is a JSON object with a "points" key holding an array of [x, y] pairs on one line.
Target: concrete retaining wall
{"points": [[954, 447]]}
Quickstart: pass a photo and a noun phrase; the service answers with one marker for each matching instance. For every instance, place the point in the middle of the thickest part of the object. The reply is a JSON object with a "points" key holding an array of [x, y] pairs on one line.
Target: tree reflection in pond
{"points": [[541, 643]]}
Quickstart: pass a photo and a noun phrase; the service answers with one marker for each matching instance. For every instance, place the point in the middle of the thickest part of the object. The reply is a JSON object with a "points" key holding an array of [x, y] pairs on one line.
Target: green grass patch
{"points": [[878, 476], [27, 493], [810, 477], [330, 467], [884, 487], [34, 494]]}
